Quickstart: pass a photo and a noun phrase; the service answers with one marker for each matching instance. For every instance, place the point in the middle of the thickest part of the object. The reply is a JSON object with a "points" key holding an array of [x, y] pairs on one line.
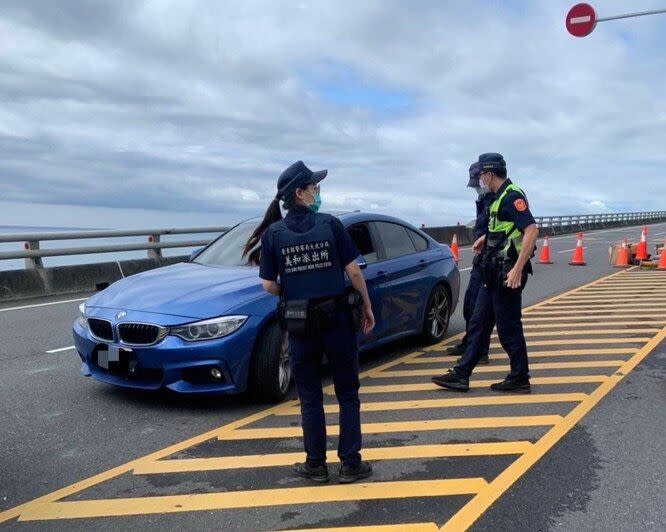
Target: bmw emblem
{"points": [[121, 314]]}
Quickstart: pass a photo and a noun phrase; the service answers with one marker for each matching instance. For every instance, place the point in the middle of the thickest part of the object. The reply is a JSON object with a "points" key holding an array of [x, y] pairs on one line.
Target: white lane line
{"points": [[567, 250], [659, 234], [43, 304], [465, 270], [61, 349]]}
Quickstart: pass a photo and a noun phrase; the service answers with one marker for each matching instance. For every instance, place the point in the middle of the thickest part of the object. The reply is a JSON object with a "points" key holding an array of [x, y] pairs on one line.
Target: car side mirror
{"points": [[361, 262], [194, 253]]}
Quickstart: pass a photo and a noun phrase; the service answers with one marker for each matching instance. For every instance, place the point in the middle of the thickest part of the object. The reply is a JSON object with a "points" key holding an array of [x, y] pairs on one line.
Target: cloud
{"points": [[196, 107]]}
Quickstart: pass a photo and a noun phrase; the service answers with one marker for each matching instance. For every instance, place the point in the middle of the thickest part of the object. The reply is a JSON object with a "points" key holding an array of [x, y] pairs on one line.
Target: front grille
{"points": [[140, 333], [101, 329]]}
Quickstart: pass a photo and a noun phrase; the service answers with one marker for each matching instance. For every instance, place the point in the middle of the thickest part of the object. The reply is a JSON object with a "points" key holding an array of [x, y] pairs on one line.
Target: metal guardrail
{"points": [[33, 254], [593, 221]]}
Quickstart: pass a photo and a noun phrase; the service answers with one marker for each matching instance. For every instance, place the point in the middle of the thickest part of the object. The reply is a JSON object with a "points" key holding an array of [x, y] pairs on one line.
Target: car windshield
{"points": [[228, 249]]}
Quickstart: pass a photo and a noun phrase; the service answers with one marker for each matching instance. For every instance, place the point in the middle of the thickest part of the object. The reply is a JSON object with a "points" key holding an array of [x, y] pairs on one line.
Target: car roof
{"points": [[351, 217]]}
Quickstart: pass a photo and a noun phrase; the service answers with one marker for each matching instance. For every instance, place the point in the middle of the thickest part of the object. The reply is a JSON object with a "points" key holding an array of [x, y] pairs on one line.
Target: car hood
{"points": [[185, 289]]}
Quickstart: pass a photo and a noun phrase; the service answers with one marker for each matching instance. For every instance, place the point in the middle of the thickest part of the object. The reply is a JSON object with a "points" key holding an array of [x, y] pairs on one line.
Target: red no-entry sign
{"points": [[581, 20]]}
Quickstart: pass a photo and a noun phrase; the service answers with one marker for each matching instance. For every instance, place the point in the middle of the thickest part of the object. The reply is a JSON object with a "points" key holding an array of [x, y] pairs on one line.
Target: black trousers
{"points": [[469, 303], [341, 347], [497, 304]]}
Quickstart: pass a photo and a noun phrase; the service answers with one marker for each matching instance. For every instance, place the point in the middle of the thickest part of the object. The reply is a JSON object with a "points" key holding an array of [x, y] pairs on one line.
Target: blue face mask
{"points": [[314, 207]]}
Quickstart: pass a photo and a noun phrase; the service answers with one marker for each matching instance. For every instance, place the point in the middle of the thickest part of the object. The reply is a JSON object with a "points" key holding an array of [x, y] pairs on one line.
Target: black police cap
{"points": [[474, 170], [297, 176], [491, 161]]}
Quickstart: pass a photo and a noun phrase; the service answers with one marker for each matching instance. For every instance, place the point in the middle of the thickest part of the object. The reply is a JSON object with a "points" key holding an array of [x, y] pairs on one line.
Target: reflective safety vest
{"points": [[505, 232], [309, 262]]}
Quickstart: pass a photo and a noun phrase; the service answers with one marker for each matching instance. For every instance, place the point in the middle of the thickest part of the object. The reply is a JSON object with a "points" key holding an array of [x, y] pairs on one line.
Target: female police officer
{"points": [[310, 253]]}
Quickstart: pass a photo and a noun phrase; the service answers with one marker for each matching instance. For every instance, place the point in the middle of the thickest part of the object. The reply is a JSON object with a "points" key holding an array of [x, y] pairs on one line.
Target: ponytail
{"points": [[273, 214]]}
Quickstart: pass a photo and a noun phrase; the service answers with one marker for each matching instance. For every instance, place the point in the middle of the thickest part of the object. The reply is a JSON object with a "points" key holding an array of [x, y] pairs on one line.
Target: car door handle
{"points": [[382, 275], [423, 263]]}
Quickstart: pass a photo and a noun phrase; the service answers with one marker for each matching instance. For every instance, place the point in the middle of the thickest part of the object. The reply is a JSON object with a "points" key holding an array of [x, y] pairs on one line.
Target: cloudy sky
{"points": [[130, 113]]}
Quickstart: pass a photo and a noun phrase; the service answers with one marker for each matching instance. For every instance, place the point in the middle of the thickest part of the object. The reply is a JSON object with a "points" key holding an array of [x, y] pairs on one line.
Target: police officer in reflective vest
{"points": [[483, 201], [309, 253], [506, 250]]}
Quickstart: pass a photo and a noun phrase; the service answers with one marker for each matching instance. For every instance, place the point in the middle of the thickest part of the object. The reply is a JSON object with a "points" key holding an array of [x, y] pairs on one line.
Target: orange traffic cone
{"points": [[544, 257], [641, 249], [577, 257], [622, 260], [662, 259], [454, 248]]}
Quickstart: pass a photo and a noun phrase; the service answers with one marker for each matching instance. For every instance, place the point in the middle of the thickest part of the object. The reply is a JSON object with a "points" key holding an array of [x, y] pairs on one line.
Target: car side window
{"points": [[360, 235], [395, 239], [420, 243]]}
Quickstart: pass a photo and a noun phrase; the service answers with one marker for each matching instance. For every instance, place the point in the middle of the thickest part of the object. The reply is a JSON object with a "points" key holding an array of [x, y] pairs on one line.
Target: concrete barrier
{"points": [[444, 235], [65, 280]]}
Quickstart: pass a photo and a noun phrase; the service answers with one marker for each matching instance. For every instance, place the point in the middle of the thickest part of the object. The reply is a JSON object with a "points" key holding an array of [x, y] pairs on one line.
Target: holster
{"points": [[354, 305], [309, 318], [294, 316]]}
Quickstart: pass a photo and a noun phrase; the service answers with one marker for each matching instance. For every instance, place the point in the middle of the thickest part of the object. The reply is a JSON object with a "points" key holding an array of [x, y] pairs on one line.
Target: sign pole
{"points": [[630, 15], [582, 19]]}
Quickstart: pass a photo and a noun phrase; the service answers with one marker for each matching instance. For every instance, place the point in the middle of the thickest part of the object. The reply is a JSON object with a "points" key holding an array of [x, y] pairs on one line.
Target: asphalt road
{"points": [[59, 427]]}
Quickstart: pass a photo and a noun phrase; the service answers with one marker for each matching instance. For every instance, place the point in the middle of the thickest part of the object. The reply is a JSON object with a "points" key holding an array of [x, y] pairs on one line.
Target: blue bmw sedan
{"points": [[206, 325]]}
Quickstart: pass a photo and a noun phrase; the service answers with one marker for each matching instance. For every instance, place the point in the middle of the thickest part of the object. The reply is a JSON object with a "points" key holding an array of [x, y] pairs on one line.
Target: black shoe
{"points": [[512, 386], [316, 473], [454, 351], [452, 381], [349, 474]]}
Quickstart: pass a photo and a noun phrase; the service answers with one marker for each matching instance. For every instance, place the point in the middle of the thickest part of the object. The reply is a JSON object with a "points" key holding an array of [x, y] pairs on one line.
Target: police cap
{"points": [[489, 162], [474, 170], [297, 176]]}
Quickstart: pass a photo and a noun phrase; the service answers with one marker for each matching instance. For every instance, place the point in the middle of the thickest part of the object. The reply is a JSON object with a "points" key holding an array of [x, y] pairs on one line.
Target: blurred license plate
{"points": [[106, 354]]}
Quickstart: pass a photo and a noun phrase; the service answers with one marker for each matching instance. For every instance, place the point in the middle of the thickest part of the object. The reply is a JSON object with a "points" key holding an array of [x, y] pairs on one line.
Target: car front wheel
{"points": [[437, 315], [270, 372]]}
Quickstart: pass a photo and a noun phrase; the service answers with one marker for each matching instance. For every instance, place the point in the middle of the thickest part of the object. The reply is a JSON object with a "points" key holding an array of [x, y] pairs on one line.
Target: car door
{"points": [[376, 278], [405, 267]]}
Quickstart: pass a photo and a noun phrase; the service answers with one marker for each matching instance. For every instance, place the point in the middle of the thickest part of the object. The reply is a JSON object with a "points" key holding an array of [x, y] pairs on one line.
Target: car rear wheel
{"points": [[437, 315], [270, 372]]}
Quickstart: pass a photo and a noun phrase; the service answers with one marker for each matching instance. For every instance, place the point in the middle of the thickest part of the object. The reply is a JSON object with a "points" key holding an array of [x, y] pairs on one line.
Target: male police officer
{"points": [[483, 201], [506, 250]]}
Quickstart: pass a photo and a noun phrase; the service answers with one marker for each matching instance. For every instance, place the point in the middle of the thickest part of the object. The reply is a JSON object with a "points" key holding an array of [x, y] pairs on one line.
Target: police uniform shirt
{"points": [[300, 220], [515, 208]]}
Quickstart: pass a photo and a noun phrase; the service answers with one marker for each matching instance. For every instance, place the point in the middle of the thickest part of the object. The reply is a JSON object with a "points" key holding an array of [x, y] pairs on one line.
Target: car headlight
{"points": [[208, 329], [81, 320]]}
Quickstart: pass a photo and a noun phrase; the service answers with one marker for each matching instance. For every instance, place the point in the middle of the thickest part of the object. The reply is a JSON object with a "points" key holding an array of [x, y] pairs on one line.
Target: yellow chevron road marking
{"points": [[533, 354], [252, 499], [400, 426], [485, 400], [495, 369], [481, 502], [429, 386], [404, 452]]}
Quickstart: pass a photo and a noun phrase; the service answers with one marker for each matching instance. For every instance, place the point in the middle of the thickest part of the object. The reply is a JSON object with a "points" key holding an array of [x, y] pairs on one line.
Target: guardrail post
{"points": [[32, 262], [154, 253]]}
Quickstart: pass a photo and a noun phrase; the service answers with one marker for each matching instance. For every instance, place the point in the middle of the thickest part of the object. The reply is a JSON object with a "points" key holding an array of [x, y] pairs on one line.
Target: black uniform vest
{"points": [[309, 262]]}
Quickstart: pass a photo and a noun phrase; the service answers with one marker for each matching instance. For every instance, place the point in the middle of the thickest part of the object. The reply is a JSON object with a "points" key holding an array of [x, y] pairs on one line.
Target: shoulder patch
{"points": [[520, 205]]}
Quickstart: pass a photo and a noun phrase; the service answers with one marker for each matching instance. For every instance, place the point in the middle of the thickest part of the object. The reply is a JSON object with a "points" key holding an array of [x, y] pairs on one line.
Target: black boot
{"points": [[349, 474], [512, 386], [316, 473], [452, 381]]}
